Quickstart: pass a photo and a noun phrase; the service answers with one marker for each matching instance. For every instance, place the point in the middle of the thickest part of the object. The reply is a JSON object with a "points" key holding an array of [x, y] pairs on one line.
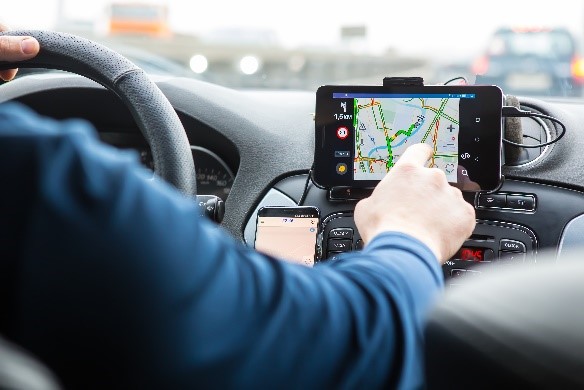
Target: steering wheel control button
{"points": [[342, 168], [492, 200], [211, 206], [340, 245], [521, 202], [507, 245], [359, 245], [341, 233]]}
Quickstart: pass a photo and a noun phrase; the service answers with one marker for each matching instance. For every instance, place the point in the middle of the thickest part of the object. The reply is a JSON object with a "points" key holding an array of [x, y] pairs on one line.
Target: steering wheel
{"points": [[155, 116]]}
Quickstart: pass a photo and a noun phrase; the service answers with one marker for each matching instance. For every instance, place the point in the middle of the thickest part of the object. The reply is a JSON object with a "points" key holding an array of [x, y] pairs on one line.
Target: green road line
{"points": [[356, 130], [384, 132], [388, 139], [375, 118], [442, 104], [382, 118], [389, 162], [407, 132], [444, 115], [355, 112]]}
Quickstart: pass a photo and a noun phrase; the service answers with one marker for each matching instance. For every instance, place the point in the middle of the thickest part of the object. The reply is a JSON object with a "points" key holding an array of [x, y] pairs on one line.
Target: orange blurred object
{"points": [[480, 66], [139, 19], [577, 69]]}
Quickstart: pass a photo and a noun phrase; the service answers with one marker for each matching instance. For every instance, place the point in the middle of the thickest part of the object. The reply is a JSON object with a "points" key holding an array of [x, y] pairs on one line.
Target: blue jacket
{"points": [[113, 281]]}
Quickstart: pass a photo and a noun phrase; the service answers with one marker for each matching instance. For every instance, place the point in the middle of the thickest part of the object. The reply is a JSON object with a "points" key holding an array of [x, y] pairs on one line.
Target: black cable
{"points": [[457, 78], [532, 137], [514, 112], [305, 192]]}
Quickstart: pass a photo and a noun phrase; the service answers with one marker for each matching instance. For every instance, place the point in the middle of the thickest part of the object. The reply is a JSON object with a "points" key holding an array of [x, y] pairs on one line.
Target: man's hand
{"points": [[15, 49], [418, 201]]}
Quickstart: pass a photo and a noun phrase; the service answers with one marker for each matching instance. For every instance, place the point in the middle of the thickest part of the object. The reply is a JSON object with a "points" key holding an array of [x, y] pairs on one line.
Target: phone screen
{"points": [[361, 132], [288, 233]]}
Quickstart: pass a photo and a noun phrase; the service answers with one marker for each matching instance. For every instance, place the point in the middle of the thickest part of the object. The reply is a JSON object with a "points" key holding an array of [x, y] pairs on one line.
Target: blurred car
{"points": [[541, 62]]}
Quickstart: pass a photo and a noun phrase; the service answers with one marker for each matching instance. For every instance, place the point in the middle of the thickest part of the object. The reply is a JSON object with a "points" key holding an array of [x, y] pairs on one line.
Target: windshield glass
{"points": [[529, 49]]}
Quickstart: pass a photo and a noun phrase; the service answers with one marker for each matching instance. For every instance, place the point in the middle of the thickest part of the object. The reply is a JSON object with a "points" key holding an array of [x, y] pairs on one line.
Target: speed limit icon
{"points": [[342, 133]]}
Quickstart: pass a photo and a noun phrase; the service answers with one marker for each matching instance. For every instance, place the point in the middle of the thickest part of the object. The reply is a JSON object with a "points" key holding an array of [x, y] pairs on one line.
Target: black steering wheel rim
{"points": [[153, 113]]}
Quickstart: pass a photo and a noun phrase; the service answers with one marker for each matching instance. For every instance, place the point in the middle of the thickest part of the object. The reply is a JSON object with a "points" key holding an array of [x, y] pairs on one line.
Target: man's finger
{"points": [[417, 154], [17, 48], [8, 74]]}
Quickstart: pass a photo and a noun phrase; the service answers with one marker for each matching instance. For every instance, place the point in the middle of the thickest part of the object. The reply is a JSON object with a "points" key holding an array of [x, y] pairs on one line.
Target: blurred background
{"points": [[526, 47]]}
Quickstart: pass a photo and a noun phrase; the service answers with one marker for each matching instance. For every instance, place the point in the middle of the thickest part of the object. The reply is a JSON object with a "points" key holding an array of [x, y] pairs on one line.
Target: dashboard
{"points": [[255, 148], [214, 176]]}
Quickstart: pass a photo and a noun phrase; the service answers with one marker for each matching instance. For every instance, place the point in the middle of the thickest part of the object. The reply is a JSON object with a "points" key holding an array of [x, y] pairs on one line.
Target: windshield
{"points": [[524, 47]]}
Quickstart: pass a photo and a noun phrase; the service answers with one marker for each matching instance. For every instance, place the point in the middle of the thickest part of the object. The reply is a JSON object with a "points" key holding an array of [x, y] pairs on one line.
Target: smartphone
{"points": [[361, 132], [288, 233]]}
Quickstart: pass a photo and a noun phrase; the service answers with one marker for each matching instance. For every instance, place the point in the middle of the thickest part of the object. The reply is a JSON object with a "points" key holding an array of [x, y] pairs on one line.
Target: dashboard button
{"points": [[348, 193], [492, 200], [507, 245], [340, 245], [521, 202], [511, 257], [359, 244], [341, 233], [489, 255], [457, 273], [333, 255]]}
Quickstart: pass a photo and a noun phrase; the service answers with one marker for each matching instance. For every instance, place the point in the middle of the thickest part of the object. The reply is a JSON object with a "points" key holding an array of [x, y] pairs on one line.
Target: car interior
{"points": [[255, 148]]}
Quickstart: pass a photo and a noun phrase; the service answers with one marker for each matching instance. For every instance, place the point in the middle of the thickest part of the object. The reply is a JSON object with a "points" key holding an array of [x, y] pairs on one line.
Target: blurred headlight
{"points": [[198, 63], [249, 64]]}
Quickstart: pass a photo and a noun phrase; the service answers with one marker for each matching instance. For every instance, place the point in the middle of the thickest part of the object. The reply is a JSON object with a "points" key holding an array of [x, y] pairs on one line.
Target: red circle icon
{"points": [[342, 132]]}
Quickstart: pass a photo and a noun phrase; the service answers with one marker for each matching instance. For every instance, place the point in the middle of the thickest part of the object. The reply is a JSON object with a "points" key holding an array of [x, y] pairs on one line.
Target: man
{"points": [[113, 281]]}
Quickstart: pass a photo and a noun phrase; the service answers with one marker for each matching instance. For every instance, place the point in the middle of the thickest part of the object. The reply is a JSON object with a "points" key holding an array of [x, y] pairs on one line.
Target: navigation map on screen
{"points": [[385, 127], [289, 238]]}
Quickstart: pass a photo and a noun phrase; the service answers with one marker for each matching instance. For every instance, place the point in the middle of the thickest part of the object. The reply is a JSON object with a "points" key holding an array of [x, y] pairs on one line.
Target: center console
{"points": [[513, 225], [493, 244]]}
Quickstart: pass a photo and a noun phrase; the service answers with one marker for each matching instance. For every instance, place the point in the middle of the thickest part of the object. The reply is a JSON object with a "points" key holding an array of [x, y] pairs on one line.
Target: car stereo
{"points": [[361, 132]]}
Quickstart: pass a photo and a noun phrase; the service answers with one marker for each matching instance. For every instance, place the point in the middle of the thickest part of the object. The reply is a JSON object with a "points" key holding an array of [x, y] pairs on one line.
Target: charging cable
{"points": [[306, 187], [514, 112]]}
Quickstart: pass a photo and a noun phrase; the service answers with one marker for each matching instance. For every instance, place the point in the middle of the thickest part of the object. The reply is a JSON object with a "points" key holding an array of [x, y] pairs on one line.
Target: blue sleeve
{"points": [[113, 280]]}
